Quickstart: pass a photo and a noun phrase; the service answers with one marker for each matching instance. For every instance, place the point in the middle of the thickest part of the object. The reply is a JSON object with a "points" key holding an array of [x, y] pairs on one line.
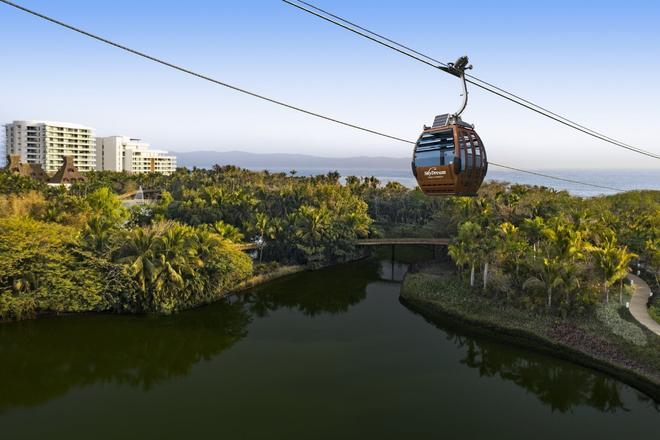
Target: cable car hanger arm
{"points": [[458, 69]]}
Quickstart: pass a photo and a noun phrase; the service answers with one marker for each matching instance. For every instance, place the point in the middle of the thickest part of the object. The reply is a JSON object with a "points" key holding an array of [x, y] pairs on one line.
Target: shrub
{"points": [[608, 314], [41, 271]]}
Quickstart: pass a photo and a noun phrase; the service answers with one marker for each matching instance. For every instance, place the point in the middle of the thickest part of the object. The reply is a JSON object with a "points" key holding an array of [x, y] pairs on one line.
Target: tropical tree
{"points": [[468, 245], [513, 247], [613, 261], [139, 254], [312, 224], [227, 231], [533, 229]]}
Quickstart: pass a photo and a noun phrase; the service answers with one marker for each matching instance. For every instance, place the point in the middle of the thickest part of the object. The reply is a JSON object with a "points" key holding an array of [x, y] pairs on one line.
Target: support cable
{"points": [[432, 62], [265, 98]]}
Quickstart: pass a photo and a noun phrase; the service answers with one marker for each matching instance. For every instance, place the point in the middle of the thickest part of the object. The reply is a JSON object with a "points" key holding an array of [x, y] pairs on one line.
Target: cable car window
{"points": [[427, 158], [435, 149], [467, 147], [448, 157], [463, 146], [477, 150]]}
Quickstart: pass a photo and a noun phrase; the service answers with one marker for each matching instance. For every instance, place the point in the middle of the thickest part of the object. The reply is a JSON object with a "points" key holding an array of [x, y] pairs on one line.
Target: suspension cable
{"points": [[265, 98], [553, 177], [419, 56]]}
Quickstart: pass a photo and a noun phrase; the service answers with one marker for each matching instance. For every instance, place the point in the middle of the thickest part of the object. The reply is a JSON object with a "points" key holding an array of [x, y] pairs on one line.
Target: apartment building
{"points": [[47, 143], [122, 153]]}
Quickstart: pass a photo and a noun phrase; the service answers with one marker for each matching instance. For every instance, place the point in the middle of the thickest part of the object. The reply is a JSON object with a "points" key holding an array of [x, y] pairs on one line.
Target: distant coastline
{"points": [[388, 169], [206, 159]]}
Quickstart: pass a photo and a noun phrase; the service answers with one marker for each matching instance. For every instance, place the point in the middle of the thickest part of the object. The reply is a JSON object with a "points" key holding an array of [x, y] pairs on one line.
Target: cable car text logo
{"points": [[434, 172]]}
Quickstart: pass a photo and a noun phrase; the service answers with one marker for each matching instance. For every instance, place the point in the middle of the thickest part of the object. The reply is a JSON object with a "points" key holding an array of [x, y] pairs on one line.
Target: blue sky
{"points": [[597, 62]]}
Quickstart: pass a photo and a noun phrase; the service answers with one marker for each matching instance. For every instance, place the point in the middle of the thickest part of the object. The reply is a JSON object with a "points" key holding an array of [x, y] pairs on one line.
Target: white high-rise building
{"points": [[46, 143], [122, 153]]}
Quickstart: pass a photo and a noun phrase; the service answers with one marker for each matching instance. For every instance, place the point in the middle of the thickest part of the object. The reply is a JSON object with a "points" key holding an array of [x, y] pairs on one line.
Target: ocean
{"points": [[625, 180]]}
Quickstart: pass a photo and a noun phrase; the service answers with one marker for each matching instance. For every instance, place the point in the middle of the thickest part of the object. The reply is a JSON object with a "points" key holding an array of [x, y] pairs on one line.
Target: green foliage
{"points": [[12, 183], [42, 270], [654, 311], [177, 266], [610, 316], [554, 251], [541, 249]]}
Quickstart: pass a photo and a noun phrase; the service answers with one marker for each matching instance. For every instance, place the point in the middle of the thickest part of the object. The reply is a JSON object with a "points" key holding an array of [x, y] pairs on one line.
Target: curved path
{"points": [[638, 304]]}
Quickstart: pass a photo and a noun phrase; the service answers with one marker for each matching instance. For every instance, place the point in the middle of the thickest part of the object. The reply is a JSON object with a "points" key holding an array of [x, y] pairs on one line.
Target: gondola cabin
{"points": [[449, 158]]}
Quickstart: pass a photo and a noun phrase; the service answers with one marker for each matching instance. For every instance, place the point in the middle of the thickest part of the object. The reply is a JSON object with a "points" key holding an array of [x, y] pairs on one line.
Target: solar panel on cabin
{"points": [[440, 120]]}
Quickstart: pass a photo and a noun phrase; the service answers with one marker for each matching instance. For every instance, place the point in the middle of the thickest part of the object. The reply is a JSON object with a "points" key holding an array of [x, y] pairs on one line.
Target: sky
{"points": [[595, 62]]}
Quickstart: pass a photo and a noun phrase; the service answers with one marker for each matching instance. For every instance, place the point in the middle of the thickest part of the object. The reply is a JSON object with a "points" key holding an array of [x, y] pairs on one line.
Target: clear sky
{"points": [[596, 62]]}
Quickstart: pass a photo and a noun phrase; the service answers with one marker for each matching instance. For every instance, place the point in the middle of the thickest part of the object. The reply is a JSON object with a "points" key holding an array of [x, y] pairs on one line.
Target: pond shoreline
{"points": [[254, 281], [528, 339]]}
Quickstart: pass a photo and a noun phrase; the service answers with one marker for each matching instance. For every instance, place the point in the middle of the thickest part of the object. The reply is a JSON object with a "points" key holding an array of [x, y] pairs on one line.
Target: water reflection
{"points": [[392, 270], [333, 290], [46, 358], [562, 386]]}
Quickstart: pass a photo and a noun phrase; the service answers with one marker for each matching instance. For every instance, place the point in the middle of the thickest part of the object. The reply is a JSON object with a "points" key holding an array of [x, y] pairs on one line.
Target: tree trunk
{"points": [[621, 292], [472, 276], [549, 297], [485, 275]]}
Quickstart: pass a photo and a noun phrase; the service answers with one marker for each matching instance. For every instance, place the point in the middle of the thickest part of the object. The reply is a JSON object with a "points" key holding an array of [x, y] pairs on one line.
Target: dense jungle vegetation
{"points": [[81, 250]]}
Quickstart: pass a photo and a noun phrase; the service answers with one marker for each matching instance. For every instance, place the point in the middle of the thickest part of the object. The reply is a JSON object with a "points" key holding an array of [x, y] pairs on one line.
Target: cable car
{"points": [[449, 157]]}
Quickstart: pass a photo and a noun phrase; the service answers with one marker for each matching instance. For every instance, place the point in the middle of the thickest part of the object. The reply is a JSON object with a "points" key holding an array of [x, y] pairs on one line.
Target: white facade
{"points": [[46, 142], [122, 153]]}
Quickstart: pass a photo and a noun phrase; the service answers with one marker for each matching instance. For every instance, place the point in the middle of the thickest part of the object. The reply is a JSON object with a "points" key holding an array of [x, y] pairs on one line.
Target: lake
{"points": [[325, 354]]}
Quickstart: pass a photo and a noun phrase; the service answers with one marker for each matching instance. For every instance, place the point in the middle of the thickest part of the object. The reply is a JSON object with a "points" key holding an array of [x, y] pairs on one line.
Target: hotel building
{"points": [[46, 143], [122, 153]]}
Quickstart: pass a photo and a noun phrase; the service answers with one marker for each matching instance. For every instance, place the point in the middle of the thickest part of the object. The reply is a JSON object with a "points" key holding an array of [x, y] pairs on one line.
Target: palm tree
{"points": [[613, 261], [549, 274], [97, 233], [139, 254], [264, 231], [177, 261], [512, 246], [459, 253], [227, 231], [467, 244], [312, 225], [533, 228]]}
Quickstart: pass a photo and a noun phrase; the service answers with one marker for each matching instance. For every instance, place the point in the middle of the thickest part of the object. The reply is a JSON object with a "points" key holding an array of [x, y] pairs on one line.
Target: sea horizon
{"points": [[621, 179]]}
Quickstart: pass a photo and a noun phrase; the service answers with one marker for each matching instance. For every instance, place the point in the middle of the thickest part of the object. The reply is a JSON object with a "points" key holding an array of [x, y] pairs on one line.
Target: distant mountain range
{"points": [[284, 161]]}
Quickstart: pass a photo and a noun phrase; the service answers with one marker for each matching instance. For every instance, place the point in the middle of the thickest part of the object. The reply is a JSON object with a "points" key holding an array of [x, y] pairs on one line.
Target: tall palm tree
{"points": [[549, 273], [468, 244], [533, 229], [613, 261]]}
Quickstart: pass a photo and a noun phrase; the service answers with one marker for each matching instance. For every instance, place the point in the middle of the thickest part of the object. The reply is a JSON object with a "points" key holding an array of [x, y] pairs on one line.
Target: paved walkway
{"points": [[638, 304]]}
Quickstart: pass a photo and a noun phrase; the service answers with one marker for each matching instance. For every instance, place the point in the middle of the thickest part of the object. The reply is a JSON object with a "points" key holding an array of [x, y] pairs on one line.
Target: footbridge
{"points": [[434, 243], [404, 242]]}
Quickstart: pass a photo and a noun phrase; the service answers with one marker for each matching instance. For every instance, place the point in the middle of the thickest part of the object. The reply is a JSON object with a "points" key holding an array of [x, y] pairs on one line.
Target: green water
{"points": [[326, 354]]}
